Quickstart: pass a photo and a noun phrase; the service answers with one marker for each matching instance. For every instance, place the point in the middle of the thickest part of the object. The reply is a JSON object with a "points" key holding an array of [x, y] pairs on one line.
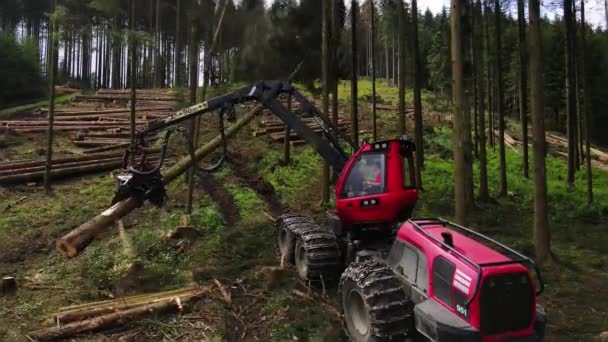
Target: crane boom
{"points": [[149, 185]]}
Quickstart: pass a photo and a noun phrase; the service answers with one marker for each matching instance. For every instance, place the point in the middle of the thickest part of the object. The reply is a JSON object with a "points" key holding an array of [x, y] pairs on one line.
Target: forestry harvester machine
{"points": [[404, 278]]}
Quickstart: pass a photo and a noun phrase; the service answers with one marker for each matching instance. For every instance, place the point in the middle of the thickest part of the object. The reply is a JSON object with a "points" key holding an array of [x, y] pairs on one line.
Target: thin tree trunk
{"points": [[193, 59], [386, 56], [500, 101], [523, 84], [373, 67], [132, 79], [490, 79], [542, 237], [478, 49], [570, 92], [394, 61], [401, 66], [460, 205], [466, 125], [579, 118], [585, 108], [354, 117], [325, 63], [178, 46], [157, 44], [417, 97], [335, 39], [53, 70]]}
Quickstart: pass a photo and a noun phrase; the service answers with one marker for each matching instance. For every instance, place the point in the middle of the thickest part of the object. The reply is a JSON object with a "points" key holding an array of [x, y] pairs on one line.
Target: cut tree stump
{"points": [[8, 286]]}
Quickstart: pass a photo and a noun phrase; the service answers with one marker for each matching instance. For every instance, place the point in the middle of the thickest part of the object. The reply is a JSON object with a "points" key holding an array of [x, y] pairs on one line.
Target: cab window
{"points": [[443, 272], [408, 173], [366, 177], [408, 262]]}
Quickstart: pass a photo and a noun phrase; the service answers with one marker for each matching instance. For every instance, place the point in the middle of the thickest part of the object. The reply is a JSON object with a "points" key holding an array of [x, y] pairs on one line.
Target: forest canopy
{"points": [[267, 41]]}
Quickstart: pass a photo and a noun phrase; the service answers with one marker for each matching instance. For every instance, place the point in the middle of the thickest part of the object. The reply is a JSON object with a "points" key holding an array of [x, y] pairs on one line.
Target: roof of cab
{"points": [[470, 248]]}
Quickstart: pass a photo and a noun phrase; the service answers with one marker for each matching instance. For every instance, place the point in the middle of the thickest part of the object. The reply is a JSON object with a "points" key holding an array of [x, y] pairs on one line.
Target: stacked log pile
{"points": [[559, 145], [100, 130], [106, 112], [275, 129], [33, 170], [270, 125]]}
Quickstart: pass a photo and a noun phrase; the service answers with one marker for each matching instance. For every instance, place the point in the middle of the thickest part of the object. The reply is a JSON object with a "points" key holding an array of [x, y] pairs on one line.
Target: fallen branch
{"points": [[71, 244], [225, 295]]}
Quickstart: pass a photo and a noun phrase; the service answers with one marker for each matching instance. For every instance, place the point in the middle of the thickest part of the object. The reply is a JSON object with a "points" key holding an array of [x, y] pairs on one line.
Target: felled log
{"points": [[116, 318], [122, 147], [58, 166], [124, 98], [108, 111], [89, 310], [94, 117], [43, 128], [71, 244], [65, 172], [8, 285], [62, 160], [99, 142], [25, 123], [80, 135]]}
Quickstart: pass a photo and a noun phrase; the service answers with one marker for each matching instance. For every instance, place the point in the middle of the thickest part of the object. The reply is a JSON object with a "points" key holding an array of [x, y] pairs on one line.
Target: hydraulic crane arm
{"points": [[327, 144], [150, 184]]}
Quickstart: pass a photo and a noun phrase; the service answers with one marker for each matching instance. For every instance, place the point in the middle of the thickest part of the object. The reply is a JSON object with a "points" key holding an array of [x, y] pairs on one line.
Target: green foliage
{"points": [[20, 76], [571, 219]]}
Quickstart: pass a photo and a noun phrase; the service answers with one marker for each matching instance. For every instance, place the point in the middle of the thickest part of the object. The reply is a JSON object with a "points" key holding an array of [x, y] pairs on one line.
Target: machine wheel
{"points": [[374, 304], [312, 248], [286, 238], [317, 256]]}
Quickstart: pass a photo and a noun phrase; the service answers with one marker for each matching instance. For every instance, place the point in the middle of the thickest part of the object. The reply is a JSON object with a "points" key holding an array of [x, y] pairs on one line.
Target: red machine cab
{"points": [[378, 184], [463, 289]]}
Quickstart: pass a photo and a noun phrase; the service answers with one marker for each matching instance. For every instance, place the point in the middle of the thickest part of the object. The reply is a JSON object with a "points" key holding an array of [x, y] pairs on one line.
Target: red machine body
{"points": [[493, 295], [389, 193]]}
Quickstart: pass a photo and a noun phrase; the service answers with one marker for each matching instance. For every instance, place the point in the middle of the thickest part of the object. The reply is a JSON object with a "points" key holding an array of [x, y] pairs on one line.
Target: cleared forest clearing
{"points": [[234, 243]]}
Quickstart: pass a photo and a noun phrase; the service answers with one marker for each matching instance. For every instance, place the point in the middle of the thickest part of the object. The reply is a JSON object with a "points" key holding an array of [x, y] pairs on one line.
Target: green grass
{"points": [[298, 179]]}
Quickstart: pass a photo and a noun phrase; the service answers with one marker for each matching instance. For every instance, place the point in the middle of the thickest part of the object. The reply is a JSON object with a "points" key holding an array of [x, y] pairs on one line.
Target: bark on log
{"points": [[102, 308], [75, 241], [113, 319]]}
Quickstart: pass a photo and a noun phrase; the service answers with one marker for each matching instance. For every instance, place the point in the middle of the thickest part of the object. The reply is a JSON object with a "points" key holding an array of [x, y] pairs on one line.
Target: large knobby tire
{"points": [[286, 239], [312, 248], [374, 304]]}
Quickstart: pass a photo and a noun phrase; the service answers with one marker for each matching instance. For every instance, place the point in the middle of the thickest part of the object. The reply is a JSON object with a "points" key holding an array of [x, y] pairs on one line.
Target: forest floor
{"points": [[236, 242]]}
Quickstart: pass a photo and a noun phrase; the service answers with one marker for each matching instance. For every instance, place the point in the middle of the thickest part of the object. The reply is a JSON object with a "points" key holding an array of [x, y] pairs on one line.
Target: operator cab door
{"points": [[372, 188]]}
